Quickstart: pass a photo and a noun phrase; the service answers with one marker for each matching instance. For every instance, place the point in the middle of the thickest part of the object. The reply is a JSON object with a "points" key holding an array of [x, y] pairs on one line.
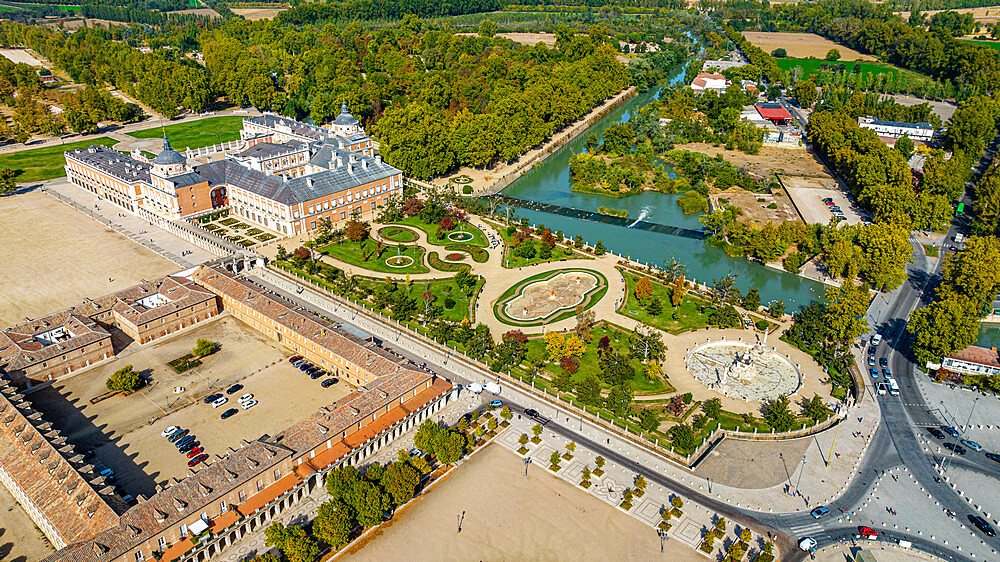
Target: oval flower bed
{"points": [[454, 256]]}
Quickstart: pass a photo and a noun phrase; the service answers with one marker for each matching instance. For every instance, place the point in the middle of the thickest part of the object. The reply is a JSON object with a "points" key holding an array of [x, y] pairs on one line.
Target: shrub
{"points": [[204, 347], [686, 397], [467, 190], [124, 380], [570, 364]]}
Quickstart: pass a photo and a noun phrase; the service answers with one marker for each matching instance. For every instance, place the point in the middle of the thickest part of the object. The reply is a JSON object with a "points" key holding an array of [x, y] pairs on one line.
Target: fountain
{"points": [[752, 372]]}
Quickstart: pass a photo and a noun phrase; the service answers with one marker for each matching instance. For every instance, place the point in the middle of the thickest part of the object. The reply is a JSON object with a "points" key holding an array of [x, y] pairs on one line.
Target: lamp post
{"points": [[663, 538], [527, 461], [801, 470]]}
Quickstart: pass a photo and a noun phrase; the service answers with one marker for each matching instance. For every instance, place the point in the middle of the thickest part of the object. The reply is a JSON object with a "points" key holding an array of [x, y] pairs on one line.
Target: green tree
{"points": [[203, 347], [599, 248], [904, 146], [7, 181], [833, 55], [488, 28], [400, 482], [779, 53], [845, 315], [683, 436], [941, 328], [505, 413], [778, 415], [805, 92], [751, 301], [292, 541], [887, 251], [599, 462], [816, 409], [125, 380], [451, 447], [340, 481], [369, 501], [554, 458], [648, 420], [333, 523], [712, 407], [776, 308]]}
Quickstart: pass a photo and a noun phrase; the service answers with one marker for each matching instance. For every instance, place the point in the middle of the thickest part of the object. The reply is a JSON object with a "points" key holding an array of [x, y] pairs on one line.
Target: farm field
{"points": [[995, 45], [985, 14], [196, 134], [45, 163], [254, 14], [811, 66], [801, 45]]}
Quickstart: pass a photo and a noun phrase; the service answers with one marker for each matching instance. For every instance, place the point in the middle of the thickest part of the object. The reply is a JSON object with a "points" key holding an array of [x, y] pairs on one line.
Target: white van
{"points": [[492, 387], [876, 339], [475, 388], [893, 387]]}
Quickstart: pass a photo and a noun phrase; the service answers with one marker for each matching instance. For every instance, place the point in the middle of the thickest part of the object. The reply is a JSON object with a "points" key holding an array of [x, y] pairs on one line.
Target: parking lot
{"points": [[125, 431], [808, 197]]}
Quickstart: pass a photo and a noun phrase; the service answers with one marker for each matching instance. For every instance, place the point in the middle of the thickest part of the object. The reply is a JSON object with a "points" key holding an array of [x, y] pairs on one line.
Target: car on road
{"points": [[983, 526], [950, 431], [881, 388], [167, 432], [873, 372], [248, 404], [820, 511], [955, 447], [993, 457], [496, 403], [876, 339], [971, 444], [328, 383], [807, 544], [195, 451], [883, 362], [234, 389], [189, 446], [200, 458], [531, 412], [212, 398], [937, 433], [953, 248], [178, 435], [229, 413], [245, 397], [871, 350], [868, 533], [886, 373], [871, 360], [219, 401]]}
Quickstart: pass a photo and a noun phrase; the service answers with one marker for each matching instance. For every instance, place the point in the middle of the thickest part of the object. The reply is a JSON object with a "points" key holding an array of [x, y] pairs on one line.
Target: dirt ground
{"points": [[54, 257], [942, 109], [120, 428], [987, 14], [526, 38], [23, 56], [20, 540], [756, 211], [794, 162], [753, 464], [510, 517], [808, 195], [254, 14], [801, 45]]}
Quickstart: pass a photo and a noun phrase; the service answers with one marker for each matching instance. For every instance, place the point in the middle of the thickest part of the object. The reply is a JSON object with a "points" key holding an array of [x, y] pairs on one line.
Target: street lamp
{"points": [[527, 461], [663, 538], [801, 470]]}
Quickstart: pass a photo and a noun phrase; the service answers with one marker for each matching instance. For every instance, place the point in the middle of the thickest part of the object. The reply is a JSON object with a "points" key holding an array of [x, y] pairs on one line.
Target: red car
{"points": [[197, 459], [868, 533], [194, 452]]}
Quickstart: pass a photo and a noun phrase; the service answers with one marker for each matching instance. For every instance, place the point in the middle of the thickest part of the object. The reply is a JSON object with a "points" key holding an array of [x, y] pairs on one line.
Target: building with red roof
{"points": [[774, 112]]}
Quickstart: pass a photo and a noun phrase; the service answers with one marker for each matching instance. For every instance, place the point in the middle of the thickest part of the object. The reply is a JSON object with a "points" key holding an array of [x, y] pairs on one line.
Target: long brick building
{"points": [[233, 494], [288, 177]]}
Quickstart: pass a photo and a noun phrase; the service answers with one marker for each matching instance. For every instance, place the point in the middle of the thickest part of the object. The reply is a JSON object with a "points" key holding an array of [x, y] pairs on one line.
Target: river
{"points": [[549, 182]]}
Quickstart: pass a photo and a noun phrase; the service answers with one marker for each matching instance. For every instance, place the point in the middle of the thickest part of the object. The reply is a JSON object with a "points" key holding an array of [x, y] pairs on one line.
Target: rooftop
{"points": [[976, 354], [119, 165]]}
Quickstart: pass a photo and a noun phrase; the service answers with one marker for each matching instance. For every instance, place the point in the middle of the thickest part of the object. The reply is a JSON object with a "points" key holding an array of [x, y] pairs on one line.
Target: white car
{"points": [[245, 397], [219, 401], [248, 404], [169, 431], [807, 543]]}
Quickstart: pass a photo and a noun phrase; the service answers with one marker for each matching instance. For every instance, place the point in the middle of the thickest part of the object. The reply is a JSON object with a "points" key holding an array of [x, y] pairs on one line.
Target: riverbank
{"points": [[492, 180]]}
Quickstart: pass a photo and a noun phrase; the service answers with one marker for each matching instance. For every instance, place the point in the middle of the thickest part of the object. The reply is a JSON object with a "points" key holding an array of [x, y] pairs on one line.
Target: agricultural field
{"points": [[811, 66], [47, 162], [985, 14], [254, 14], [995, 45], [801, 45], [198, 133]]}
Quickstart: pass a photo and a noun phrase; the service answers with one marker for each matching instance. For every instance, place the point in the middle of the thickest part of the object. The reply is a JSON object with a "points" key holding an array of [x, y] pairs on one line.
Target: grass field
{"points": [[196, 134], [351, 252], [811, 66], [995, 45], [45, 163], [688, 316]]}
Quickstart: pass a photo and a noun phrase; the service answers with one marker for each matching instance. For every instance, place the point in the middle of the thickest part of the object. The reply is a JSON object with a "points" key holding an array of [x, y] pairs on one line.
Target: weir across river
{"points": [[636, 224]]}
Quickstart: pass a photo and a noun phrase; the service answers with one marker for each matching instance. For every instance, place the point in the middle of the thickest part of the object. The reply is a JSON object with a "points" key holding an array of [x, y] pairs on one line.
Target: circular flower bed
{"points": [[399, 262], [455, 256], [462, 180], [397, 234]]}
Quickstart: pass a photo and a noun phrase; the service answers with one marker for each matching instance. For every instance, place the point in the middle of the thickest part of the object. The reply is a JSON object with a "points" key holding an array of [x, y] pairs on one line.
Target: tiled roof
{"points": [[364, 354], [168, 507], [181, 293], [121, 166], [270, 149], [976, 354], [20, 348], [71, 497]]}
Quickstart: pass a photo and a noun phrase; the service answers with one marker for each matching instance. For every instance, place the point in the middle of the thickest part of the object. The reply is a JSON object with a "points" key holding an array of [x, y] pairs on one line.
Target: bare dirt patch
{"points": [[942, 109], [510, 517], [254, 14], [54, 257], [119, 427], [801, 45], [199, 12], [794, 162], [756, 206], [24, 56], [523, 38], [987, 14]]}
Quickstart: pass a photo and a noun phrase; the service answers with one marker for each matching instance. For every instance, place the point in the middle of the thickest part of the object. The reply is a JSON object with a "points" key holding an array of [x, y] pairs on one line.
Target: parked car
{"points": [[983, 526], [955, 447], [168, 431], [229, 413], [876, 339], [871, 350], [828, 200], [950, 431], [316, 374], [496, 403], [937, 433], [212, 398], [416, 453], [200, 458], [873, 372], [868, 533], [178, 435], [299, 362], [971, 444], [234, 389], [294, 358], [195, 451], [328, 383], [883, 362], [189, 446], [248, 404], [180, 444], [305, 366], [871, 360], [219, 401], [807, 544], [820, 511], [245, 397], [886, 373]]}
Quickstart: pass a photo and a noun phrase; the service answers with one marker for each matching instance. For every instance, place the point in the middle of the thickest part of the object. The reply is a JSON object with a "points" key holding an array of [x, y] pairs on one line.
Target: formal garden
{"points": [[233, 229], [525, 246]]}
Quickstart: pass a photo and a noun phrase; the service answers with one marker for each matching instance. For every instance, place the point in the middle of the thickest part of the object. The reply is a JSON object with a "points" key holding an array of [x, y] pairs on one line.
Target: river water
{"points": [[549, 182]]}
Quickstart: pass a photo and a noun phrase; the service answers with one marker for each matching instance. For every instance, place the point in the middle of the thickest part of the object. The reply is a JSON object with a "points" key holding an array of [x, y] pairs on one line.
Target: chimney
{"points": [[378, 158], [340, 161], [350, 167], [364, 164], [309, 182]]}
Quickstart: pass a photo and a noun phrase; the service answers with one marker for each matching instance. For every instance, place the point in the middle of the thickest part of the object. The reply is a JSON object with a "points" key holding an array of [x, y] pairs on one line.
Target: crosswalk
{"points": [[808, 530]]}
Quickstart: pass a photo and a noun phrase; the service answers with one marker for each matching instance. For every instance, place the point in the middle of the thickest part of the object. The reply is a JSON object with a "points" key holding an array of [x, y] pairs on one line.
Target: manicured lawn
{"points": [[196, 134], [443, 289], [690, 315], [589, 300], [995, 45], [354, 254], [589, 362], [397, 234], [47, 162], [478, 238]]}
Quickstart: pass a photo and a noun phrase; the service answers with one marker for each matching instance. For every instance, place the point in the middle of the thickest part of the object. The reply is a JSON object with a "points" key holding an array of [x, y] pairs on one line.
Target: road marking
{"points": [[810, 529]]}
